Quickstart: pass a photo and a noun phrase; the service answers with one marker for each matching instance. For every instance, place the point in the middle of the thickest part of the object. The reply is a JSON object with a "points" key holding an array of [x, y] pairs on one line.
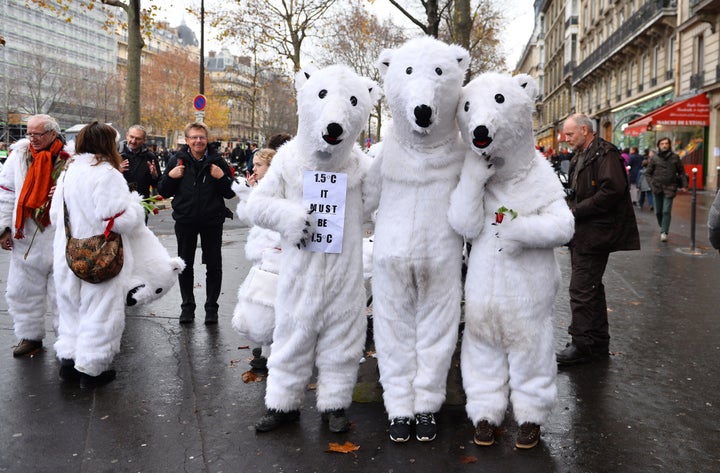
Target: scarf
{"points": [[36, 187]]}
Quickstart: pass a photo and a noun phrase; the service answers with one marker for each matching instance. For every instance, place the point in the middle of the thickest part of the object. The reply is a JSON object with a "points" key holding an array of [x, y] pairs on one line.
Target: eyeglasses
{"points": [[30, 136], [196, 138]]}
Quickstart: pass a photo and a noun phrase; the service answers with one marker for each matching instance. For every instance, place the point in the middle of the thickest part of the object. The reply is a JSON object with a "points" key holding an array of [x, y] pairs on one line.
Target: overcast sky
{"points": [[519, 27]]}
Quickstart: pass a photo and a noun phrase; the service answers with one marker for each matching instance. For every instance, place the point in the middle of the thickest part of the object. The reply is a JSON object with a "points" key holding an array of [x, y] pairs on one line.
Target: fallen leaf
{"points": [[466, 459], [251, 377], [311, 386], [234, 363], [243, 347], [347, 447]]}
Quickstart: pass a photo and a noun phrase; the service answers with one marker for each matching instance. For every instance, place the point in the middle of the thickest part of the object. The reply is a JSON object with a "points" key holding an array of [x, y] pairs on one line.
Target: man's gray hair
{"points": [[48, 123], [581, 120], [139, 127]]}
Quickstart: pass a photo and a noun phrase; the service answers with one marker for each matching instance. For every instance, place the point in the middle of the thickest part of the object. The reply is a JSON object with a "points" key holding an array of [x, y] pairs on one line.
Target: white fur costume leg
{"points": [[30, 291], [415, 336], [93, 339], [338, 345]]}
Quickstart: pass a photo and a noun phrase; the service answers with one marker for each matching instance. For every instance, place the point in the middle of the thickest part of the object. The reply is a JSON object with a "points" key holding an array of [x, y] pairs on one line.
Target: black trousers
{"points": [[589, 326], [210, 243]]}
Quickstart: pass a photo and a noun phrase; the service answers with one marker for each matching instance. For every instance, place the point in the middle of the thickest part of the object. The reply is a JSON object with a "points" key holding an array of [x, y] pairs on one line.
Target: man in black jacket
{"points": [[140, 166], [199, 180], [604, 222]]}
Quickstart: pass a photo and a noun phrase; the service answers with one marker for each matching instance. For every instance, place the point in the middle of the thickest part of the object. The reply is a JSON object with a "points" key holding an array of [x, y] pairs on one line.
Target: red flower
{"points": [[499, 217], [156, 211]]}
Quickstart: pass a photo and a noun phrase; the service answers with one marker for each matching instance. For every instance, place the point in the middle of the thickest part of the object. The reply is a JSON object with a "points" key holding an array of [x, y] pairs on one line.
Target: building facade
{"points": [[641, 70], [51, 65]]}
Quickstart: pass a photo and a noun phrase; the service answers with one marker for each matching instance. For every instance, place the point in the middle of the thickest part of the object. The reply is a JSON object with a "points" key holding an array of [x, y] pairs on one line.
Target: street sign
{"points": [[199, 102]]}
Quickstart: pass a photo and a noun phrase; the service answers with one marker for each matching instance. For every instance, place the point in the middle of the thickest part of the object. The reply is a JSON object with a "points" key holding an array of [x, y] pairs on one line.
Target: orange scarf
{"points": [[36, 187]]}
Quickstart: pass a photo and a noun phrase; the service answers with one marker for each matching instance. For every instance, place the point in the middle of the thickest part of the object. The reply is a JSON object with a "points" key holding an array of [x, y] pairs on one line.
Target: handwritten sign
{"points": [[324, 193]]}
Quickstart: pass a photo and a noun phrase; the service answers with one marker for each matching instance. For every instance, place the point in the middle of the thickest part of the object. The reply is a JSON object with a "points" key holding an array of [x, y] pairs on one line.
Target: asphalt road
{"points": [[179, 403]]}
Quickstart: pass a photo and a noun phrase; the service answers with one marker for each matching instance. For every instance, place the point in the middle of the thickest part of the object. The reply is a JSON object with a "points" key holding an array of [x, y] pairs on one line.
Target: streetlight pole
{"points": [[202, 47]]}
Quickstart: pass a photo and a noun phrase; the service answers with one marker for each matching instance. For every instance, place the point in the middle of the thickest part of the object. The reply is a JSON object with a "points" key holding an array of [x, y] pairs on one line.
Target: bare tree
{"points": [[42, 85], [280, 106], [356, 38], [285, 24]]}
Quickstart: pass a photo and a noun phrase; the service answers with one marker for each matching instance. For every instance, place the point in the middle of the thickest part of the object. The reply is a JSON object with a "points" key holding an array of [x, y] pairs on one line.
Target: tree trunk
{"points": [[463, 23], [135, 46]]}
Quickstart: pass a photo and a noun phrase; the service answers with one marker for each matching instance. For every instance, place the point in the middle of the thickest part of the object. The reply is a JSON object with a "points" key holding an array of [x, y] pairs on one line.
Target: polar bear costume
{"points": [[254, 314], [417, 257], [30, 288], [92, 316], [512, 276], [320, 305], [156, 272]]}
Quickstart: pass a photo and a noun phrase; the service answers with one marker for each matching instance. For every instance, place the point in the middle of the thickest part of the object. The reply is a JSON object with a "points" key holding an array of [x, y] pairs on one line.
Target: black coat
{"points": [[198, 198], [138, 175], [604, 215]]}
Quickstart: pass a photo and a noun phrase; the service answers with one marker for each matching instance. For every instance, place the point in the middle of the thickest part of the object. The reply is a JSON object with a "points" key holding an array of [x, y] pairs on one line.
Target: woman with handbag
{"points": [[667, 175], [254, 314], [93, 199]]}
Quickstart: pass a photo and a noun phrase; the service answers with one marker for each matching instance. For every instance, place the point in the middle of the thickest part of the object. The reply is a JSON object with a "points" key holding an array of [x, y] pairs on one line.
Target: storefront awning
{"points": [[694, 111]]}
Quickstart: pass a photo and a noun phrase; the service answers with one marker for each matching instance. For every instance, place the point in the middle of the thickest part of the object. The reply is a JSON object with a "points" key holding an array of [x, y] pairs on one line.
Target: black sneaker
{"points": [[400, 429], [258, 362], [337, 420], [574, 355], [91, 382], [187, 317], [68, 371], [484, 434], [528, 435], [425, 427], [27, 347], [274, 419]]}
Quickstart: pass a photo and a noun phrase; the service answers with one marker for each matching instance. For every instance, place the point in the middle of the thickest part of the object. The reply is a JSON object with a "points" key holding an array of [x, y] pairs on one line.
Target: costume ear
{"points": [[462, 56], [383, 62], [528, 83], [303, 75], [375, 91]]}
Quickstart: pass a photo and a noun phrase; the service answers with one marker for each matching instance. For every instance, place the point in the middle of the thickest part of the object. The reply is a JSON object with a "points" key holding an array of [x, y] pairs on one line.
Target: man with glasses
{"points": [[26, 184], [199, 180]]}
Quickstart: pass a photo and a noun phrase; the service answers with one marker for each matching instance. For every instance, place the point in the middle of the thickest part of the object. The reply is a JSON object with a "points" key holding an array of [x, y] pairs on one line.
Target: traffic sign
{"points": [[199, 102]]}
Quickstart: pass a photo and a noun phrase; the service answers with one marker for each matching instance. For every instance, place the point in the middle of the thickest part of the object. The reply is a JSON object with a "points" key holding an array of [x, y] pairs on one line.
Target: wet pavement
{"points": [[179, 403]]}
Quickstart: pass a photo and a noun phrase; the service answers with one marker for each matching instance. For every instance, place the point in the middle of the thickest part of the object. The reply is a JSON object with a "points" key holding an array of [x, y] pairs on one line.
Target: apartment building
{"points": [[641, 69]]}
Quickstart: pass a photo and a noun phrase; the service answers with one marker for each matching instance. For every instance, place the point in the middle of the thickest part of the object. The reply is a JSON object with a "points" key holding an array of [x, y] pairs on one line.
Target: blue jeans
{"points": [[663, 207]]}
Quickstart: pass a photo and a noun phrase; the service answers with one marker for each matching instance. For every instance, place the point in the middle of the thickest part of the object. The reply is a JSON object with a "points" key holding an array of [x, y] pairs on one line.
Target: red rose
{"points": [[499, 217], [156, 211]]}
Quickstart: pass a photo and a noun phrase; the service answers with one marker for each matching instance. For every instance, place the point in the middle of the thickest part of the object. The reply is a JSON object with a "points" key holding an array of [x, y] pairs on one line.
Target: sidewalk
{"points": [[179, 403]]}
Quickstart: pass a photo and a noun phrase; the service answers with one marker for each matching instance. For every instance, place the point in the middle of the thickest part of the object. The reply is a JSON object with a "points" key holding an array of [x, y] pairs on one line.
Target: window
{"points": [[656, 59], [699, 54]]}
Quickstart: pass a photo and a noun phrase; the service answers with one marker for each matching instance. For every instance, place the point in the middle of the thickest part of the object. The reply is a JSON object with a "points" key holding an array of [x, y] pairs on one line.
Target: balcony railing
{"points": [[697, 80], [645, 16]]}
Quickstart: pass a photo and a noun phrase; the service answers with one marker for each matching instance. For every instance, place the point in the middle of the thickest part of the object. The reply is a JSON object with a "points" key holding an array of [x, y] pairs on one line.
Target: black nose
{"points": [[423, 114], [481, 137], [334, 130]]}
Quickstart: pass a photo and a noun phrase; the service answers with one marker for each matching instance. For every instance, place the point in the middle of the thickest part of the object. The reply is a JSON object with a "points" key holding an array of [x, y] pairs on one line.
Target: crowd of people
{"points": [[603, 185]]}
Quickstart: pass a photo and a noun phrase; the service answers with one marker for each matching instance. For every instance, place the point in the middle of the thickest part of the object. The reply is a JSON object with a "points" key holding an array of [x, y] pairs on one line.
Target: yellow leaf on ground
{"points": [[347, 447], [465, 459], [251, 377]]}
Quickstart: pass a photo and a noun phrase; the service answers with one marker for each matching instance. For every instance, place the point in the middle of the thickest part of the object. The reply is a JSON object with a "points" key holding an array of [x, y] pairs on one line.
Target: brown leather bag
{"points": [[94, 259]]}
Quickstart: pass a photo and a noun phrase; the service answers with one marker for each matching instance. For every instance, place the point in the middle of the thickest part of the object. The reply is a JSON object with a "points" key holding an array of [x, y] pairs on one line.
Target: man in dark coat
{"points": [[199, 180], [604, 222], [140, 166]]}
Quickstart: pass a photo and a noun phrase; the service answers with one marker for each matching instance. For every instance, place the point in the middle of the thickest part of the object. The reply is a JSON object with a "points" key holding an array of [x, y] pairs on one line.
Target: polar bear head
{"points": [[495, 119], [422, 81], [333, 108], [154, 271]]}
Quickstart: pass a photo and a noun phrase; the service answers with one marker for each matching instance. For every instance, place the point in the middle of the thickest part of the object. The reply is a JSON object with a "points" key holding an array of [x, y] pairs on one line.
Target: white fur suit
{"points": [[512, 276], [30, 288], [319, 309], [417, 257], [92, 316], [254, 314]]}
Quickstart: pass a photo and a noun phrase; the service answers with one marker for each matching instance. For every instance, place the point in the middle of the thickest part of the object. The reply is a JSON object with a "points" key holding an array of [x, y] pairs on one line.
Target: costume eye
{"points": [[438, 71], [467, 106], [322, 94], [408, 71], [353, 100], [499, 98]]}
